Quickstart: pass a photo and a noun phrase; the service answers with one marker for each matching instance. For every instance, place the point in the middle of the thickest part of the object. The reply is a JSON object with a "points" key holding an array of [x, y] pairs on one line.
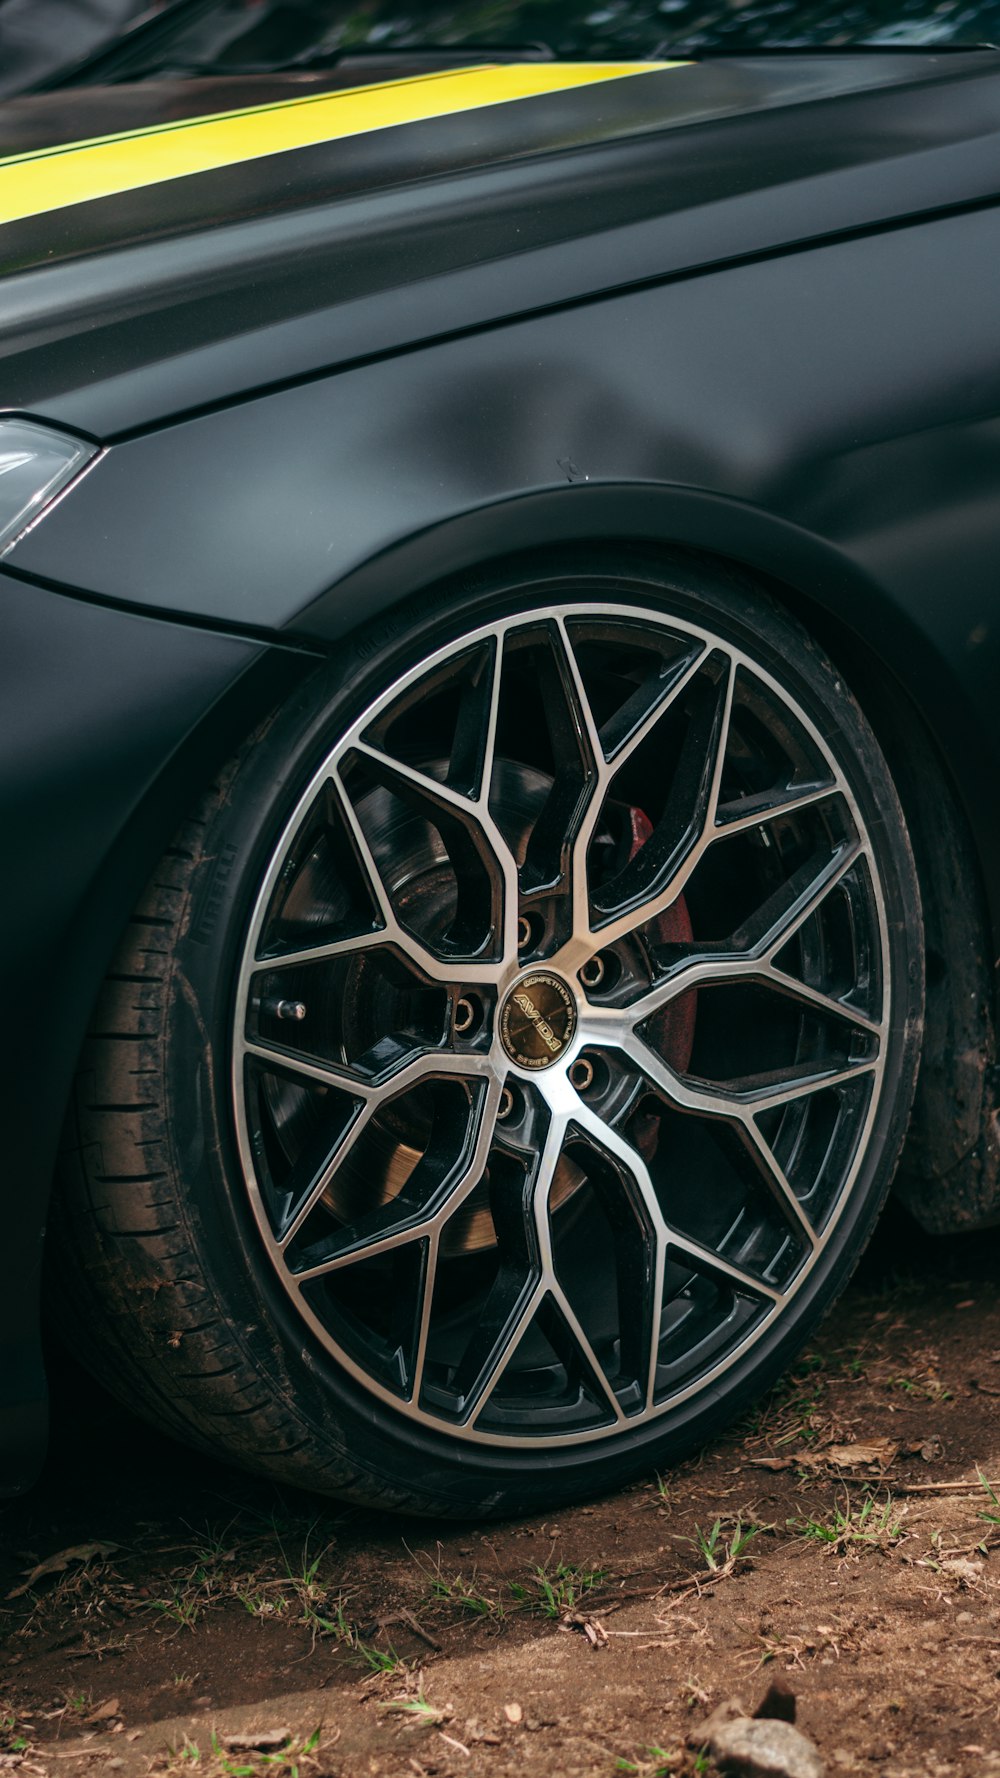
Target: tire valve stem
{"points": [[284, 1009]]}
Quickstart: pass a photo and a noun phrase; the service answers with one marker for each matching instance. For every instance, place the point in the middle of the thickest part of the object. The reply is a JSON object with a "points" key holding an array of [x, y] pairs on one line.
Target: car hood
{"points": [[176, 244]]}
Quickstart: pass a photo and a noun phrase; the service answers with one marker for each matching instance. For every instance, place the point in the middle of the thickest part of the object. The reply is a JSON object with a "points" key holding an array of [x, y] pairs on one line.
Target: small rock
{"points": [[728, 1711], [777, 1704], [264, 1741], [749, 1749], [513, 1712]]}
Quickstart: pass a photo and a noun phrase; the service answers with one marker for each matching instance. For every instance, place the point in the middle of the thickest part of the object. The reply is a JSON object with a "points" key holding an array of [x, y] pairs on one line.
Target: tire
{"points": [[465, 1149]]}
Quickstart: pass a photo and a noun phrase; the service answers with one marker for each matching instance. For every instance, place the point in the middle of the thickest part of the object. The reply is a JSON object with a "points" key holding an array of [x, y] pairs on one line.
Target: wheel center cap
{"points": [[538, 1020]]}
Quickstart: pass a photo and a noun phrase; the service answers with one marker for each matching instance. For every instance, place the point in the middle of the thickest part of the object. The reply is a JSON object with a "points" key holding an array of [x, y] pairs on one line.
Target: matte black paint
{"points": [[707, 307], [97, 709], [119, 314]]}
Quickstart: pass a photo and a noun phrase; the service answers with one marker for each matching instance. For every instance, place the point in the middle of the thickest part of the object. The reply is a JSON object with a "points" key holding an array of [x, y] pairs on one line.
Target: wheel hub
{"points": [[538, 1020]]}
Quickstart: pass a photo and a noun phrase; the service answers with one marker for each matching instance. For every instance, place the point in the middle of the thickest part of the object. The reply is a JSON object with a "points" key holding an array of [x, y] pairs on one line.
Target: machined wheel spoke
{"points": [[507, 1314], [489, 1352], [328, 950], [436, 968], [749, 955], [321, 1183], [824, 1003], [579, 1354], [403, 1220], [756, 811], [689, 817], [777, 1182], [424, 1063], [471, 811], [525, 1271], [291, 1061], [738, 1100], [666, 1235], [579, 947], [705, 1259]]}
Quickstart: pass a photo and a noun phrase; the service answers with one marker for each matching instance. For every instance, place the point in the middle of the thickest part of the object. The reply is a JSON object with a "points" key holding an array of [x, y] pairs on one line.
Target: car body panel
{"points": [[119, 314], [59, 178], [98, 705], [745, 308], [770, 387]]}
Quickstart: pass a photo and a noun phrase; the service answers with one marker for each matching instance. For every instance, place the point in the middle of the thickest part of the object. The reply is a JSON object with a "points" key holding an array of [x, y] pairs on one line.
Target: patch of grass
{"points": [[557, 1592], [873, 1524], [991, 1518], [723, 1546], [182, 1608], [466, 1597], [926, 1388], [14, 1734], [293, 1760], [338, 1626], [259, 1602], [653, 1762], [421, 1712]]}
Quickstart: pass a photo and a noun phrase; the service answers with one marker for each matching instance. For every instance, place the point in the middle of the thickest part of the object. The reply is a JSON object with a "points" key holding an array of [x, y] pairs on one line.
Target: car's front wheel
{"points": [[507, 1063]]}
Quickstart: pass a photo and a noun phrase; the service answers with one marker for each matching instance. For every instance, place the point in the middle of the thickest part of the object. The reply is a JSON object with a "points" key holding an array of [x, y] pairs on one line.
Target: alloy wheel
{"points": [[561, 1025]]}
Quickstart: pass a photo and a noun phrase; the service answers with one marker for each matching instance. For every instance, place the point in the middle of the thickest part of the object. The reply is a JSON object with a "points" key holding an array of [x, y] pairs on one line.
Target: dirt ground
{"points": [[154, 1606]]}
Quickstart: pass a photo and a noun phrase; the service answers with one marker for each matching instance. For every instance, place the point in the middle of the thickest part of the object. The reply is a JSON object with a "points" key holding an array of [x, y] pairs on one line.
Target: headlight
{"points": [[35, 465]]}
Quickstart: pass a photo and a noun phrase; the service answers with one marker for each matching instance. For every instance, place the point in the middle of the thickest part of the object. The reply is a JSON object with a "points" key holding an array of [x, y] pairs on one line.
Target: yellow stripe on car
{"points": [[52, 178]]}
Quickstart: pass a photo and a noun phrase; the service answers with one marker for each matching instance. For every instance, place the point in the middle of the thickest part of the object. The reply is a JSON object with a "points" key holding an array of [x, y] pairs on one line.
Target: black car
{"points": [[500, 686]]}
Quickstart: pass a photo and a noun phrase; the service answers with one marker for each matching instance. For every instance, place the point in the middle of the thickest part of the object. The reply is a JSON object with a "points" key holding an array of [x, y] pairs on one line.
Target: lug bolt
{"points": [[285, 1009], [464, 1016], [523, 932], [582, 1074], [506, 1104], [592, 973]]}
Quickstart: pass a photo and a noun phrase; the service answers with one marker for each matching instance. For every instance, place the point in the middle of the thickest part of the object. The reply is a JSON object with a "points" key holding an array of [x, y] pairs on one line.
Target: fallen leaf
{"points": [[513, 1712], [78, 1552], [104, 1712], [875, 1450]]}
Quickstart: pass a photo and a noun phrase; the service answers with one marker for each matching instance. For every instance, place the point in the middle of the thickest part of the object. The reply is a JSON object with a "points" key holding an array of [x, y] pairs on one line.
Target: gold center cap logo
{"points": [[537, 1020]]}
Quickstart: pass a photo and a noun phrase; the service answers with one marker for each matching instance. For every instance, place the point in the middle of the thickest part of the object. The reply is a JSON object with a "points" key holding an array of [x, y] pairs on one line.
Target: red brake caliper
{"points": [[671, 1031]]}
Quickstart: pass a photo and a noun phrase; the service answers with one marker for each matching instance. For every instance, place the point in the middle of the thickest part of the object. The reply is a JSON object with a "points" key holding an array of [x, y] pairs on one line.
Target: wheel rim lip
{"points": [[555, 1077]]}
